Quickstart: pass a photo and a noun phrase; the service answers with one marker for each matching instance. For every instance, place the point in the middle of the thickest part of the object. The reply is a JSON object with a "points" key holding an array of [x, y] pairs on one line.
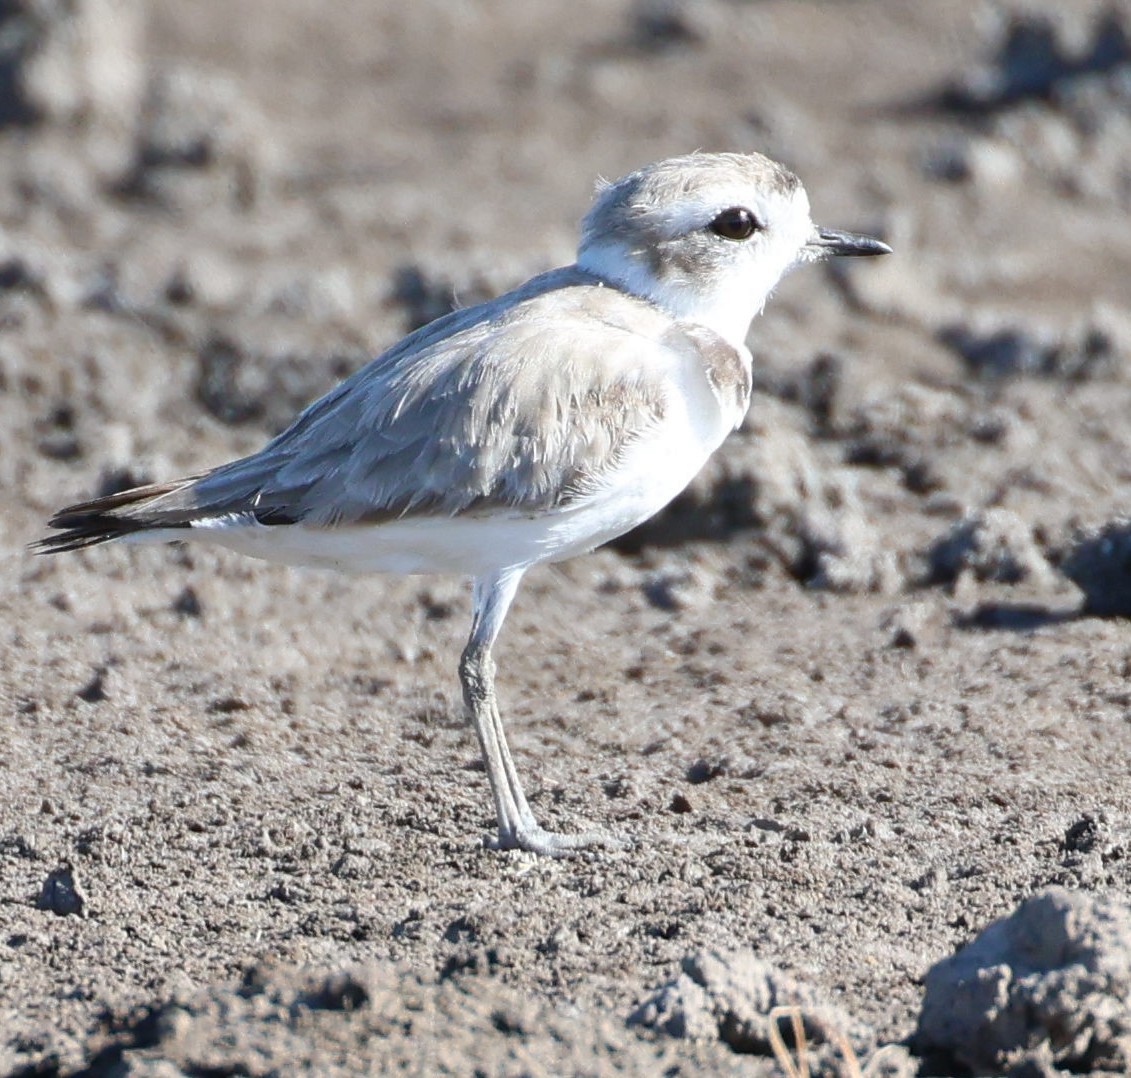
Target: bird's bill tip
{"points": [[831, 242]]}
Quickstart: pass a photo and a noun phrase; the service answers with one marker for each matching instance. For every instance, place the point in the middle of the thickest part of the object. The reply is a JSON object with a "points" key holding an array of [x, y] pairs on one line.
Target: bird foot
{"points": [[535, 839]]}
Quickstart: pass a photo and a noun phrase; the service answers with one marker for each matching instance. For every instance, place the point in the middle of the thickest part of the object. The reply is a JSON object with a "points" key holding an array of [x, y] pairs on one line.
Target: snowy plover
{"points": [[524, 430]]}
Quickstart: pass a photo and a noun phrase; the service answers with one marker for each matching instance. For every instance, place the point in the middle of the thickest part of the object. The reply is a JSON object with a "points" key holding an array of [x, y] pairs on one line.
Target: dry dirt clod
{"points": [[1049, 985], [992, 545], [1098, 564], [61, 892], [730, 996], [66, 61]]}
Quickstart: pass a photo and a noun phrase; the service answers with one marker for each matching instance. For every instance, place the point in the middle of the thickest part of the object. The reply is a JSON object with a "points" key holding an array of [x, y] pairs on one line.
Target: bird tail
{"points": [[116, 516]]}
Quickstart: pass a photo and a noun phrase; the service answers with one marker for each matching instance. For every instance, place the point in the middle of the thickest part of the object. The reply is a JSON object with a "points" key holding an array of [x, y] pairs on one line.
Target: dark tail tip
{"points": [[103, 520], [83, 530]]}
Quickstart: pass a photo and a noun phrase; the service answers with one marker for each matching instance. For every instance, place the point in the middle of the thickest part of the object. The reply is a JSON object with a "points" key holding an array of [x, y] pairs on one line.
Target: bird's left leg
{"points": [[518, 829]]}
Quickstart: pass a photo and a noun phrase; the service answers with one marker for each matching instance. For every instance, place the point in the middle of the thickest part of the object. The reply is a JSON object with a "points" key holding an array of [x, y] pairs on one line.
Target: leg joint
{"points": [[476, 668]]}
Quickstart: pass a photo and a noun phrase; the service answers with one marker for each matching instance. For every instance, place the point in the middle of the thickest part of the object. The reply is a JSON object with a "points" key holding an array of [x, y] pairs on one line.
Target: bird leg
{"points": [[518, 829]]}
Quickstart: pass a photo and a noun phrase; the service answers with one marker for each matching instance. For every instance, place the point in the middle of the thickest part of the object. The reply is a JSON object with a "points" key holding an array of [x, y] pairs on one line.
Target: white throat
{"points": [[728, 309]]}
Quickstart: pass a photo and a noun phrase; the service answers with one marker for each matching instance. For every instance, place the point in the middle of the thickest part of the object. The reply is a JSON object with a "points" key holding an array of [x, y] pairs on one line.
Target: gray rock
{"points": [[1045, 987]]}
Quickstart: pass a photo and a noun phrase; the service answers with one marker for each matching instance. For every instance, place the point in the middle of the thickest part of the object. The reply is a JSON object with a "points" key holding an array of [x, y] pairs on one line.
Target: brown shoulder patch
{"points": [[728, 375]]}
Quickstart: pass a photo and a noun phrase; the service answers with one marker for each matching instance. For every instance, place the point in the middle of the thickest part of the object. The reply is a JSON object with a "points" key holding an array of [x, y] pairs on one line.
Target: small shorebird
{"points": [[523, 430]]}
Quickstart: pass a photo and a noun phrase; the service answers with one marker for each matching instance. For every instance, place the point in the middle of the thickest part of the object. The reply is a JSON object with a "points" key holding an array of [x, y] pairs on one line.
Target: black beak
{"points": [[827, 242]]}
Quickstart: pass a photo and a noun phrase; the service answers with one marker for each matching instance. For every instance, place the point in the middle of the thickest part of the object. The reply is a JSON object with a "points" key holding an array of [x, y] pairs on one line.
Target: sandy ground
{"points": [[843, 693]]}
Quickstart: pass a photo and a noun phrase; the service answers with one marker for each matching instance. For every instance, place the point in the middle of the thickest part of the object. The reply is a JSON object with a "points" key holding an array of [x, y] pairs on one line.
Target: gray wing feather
{"points": [[523, 404]]}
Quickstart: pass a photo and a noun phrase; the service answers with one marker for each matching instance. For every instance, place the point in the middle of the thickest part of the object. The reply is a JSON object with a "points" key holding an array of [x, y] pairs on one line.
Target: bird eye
{"points": [[736, 223]]}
